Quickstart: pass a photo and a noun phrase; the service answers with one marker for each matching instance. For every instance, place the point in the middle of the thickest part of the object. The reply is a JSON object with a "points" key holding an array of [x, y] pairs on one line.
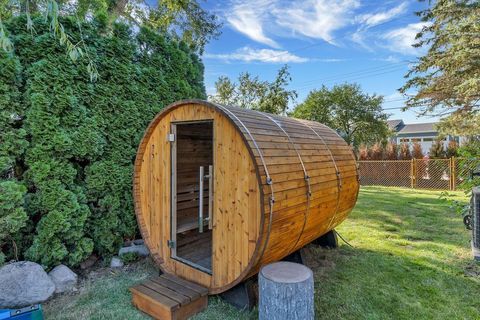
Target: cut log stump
{"points": [[285, 292], [169, 297]]}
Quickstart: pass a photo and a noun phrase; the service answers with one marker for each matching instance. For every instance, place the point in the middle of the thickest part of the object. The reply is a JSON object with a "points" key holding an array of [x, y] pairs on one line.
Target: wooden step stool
{"points": [[169, 297]]}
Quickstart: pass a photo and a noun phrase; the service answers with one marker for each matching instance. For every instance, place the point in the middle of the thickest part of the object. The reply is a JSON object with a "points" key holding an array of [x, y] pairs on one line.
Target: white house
{"points": [[423, 133]]}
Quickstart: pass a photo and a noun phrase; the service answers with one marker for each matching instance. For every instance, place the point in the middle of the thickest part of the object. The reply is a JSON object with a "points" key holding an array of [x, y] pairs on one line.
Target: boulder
{"points": [[65, 279], [140, 249], [116, 263], [24, 283]]}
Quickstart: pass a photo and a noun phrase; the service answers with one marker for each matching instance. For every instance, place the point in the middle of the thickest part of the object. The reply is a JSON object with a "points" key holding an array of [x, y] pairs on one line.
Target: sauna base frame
{"points": [[328, 240]]}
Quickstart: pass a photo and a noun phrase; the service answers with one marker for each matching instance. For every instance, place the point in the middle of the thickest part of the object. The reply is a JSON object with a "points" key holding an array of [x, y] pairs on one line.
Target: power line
{"points": [[395, 108], [395, 100], [354, 78], [358, 72]]}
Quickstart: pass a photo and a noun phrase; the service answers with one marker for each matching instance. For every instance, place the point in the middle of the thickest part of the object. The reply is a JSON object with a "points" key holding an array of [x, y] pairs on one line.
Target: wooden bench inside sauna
{"points": [[220, 191]]}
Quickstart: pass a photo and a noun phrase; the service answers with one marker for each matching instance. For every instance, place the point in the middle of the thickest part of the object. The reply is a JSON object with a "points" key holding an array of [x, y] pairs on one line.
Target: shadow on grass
{"points": [[366, 284]]}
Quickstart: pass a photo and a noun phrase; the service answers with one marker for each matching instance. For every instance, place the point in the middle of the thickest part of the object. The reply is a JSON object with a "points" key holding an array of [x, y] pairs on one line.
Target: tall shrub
{"points": [[404, 153], [363, 152], [375, 152], [12, 147], [417, 152], [391, 151], [452, 149], [83, 136], [437, 151]]}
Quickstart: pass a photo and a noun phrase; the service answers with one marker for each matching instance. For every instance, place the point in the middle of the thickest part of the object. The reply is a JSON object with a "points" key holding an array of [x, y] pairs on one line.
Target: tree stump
{"points": [[285, 292]]}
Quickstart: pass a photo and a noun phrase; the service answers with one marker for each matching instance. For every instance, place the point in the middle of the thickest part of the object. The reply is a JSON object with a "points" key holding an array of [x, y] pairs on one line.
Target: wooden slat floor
{"points": [[169, 297], [196, 247]]}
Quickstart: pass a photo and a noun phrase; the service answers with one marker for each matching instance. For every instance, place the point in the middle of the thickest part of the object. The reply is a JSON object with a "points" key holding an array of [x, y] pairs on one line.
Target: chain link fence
{"points": [[439, 174]]}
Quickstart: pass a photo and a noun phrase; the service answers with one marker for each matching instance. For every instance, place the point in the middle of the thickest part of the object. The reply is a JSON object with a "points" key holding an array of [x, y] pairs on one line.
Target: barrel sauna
{"points": [[220, 191]]}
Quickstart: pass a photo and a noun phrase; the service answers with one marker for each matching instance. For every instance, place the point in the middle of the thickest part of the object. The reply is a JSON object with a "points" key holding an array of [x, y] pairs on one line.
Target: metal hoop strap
{"points": [[306, 176], [339, 178], [269, 179]]}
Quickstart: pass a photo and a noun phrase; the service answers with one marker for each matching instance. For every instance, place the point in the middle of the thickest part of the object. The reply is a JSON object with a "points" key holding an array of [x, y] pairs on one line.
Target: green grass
{"points": [[410, 259]]}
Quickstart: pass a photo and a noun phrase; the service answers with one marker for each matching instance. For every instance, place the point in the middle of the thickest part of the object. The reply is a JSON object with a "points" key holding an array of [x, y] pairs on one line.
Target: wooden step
{"points": [[169, 297]]}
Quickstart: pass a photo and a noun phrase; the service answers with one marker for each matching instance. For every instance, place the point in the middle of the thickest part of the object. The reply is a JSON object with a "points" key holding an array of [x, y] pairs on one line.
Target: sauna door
{"points": [[192, 193]]}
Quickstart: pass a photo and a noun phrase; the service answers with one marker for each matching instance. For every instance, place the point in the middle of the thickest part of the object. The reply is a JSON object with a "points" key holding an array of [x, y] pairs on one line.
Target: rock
{"points": [[140, 249], [65, 279], [116, 263], [24, 283], [89, 262]]}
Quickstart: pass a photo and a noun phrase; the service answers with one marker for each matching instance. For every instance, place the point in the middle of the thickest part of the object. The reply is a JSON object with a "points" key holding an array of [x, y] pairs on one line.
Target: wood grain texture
{"points": [[169, 298], [314, 184]]}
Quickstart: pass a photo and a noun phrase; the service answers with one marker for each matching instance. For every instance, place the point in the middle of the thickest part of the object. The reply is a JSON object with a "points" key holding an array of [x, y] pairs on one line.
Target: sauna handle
{"points": [[200, 200], [210, 196]]}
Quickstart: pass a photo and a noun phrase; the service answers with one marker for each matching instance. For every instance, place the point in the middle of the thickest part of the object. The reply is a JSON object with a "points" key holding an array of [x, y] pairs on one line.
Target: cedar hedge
{"points": [[67, 144]]}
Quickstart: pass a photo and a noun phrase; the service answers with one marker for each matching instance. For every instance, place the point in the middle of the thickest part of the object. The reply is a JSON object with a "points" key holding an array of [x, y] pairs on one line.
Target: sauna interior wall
{"points": [[237, 212], [194, 149]]}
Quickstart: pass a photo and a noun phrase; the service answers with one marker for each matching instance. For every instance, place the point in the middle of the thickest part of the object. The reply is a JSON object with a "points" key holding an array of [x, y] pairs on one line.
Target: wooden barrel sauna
{"points": [[220, 191]]}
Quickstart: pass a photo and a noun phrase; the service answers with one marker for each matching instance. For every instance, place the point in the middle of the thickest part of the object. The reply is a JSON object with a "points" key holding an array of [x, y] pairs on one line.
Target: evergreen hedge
{"points": [[67, 144]]}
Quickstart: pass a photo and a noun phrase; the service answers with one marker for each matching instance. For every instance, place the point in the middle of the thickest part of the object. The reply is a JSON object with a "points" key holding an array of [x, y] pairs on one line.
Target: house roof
{"points": [[394, 124], [418, 128]]}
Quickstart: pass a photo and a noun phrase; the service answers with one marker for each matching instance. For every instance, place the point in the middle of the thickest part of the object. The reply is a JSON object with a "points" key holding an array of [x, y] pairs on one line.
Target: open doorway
{"points": [[192, 181]]}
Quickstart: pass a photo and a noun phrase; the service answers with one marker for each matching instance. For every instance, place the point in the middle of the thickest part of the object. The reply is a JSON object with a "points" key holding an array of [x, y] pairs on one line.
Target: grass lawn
{"points": [[410, 259]]}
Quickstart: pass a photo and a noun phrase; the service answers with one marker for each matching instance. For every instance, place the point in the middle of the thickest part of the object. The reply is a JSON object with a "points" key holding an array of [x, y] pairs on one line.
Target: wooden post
{"points": [[452, 174], [285, 292], [412, 173]]}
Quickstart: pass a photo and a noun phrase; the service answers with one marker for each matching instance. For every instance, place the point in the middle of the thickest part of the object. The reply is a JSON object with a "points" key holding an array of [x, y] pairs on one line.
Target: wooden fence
{"points": [[440, 174]]}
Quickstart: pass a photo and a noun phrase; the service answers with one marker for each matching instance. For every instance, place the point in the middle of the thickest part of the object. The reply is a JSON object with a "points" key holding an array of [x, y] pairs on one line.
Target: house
{"points": [[423, 133]]}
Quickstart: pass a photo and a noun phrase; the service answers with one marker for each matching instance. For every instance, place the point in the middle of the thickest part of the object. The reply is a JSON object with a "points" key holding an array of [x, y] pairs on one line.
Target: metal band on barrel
{"points": [[339, 178], [305, 173]]}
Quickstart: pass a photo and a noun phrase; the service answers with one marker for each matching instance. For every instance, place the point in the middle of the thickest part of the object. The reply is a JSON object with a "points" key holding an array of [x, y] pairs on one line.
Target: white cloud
{"points": [[249, 18], [401, 39], [359, 37], [390, 58], [316, 19], [367, 21], [248, 54], [329, 60], [372, 19]]}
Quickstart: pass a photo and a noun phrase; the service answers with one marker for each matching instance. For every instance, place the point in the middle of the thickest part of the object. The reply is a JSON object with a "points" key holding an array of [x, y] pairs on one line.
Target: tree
{"points": [[452, 149], [316, 107], [446, 78], [375, 152], [67, 145], [183, 20], [417, 152], [404, 153], [437, 150], [357, 116], [363, 153], [391, 151], [253, 93]]}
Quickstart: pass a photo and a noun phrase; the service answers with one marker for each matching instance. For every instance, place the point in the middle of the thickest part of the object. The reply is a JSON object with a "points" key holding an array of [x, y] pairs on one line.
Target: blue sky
{"points": [[323, 42]]}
